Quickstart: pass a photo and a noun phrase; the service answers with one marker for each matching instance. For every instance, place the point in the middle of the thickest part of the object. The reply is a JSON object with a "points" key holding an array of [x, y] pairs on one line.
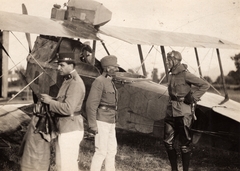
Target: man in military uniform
{"points": [[101, 110], [67, 106], [181, 108]]}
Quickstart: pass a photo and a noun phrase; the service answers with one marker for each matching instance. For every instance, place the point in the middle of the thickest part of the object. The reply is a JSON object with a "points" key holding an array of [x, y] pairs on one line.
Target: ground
{"points": [[136, 152]]}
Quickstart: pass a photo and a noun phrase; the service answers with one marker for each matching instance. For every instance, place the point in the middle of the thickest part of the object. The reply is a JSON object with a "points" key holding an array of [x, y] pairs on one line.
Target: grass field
{"points": [[136, 152]]}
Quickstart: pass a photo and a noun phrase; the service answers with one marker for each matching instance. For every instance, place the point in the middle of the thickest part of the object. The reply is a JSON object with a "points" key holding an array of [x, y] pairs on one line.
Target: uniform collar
{"points": [[179, 68], [106, 75], [70, 75]]}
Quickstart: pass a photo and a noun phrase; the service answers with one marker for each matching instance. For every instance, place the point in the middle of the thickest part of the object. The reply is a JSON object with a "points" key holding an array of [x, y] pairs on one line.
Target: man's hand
{"points": [[45, 98], [93, 131]]}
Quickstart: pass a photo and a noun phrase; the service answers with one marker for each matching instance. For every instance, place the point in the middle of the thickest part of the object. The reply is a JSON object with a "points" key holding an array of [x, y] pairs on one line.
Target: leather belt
{"points": [[107, 107], [74, 114], [175, 98]]}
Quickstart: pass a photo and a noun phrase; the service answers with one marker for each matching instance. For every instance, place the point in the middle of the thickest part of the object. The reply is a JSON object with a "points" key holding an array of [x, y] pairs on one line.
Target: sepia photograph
{"points": [[101, 85]]}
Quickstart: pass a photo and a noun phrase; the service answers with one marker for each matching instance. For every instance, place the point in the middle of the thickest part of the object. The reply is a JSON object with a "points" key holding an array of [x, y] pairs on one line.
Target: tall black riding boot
{"points": [[185, 160], [172, 155]]}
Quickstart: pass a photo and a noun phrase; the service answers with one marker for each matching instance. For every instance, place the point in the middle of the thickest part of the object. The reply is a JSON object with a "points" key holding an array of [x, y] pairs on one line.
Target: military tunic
{"points": [[103, 92], [179, 85], [179, 114], [69, 102]]}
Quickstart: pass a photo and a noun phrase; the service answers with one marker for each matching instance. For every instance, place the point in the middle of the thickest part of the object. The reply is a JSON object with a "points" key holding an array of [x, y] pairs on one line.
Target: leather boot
{"points": [[185, 160], [172, 155]]}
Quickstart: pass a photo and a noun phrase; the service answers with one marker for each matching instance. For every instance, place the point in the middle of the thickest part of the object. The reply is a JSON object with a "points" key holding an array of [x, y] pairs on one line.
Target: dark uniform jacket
{"points": [[103, 92], [69, 102], [179, 85]]}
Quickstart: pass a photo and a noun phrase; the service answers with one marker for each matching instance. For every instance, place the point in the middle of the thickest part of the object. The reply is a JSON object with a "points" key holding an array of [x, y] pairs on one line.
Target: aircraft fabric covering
{"points": [[45, 26], [229, 109], [164, 38]]}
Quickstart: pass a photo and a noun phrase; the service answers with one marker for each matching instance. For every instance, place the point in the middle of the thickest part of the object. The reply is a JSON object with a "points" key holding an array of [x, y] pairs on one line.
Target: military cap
{"points": [[109, 60], [175, 54], [65, 57]]}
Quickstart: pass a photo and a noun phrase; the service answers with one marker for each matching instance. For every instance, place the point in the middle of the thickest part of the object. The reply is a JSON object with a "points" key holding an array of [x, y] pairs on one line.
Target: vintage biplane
{"points": [[142, 103]]}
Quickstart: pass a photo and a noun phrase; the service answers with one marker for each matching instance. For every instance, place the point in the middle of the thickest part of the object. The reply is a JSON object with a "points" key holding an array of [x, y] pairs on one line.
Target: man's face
{"points": [[112, 69], [170, 62], [64, 68]]}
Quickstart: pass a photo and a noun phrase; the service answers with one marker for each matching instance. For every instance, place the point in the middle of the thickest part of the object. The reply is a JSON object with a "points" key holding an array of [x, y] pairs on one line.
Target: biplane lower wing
{"points": [[45, 26], [11, 117], [229, 109], [164, 38]]}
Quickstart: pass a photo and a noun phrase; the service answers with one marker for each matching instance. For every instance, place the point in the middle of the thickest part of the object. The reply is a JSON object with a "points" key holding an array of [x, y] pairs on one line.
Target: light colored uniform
{"points": [[101, 113], [69, 122]]}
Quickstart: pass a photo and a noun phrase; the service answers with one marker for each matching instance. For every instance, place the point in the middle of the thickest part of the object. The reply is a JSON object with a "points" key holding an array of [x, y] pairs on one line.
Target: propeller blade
{"points": [[24, 11]]}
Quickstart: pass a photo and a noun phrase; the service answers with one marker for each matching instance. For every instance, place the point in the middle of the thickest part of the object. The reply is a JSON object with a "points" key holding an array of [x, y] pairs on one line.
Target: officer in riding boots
{"points": [[101, 108], [180, 109]]}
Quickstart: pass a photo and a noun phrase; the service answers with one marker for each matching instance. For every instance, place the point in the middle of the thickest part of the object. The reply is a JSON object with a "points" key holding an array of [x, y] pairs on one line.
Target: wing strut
{"points": [[164, 60], [94, 49], [142, 60], [223, 79], [198, 63], [105, 47]]}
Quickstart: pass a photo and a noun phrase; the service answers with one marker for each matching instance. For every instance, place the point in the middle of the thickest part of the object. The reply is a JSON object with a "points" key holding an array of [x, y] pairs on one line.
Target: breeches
{"points": [[67, 150], [173, 127]]}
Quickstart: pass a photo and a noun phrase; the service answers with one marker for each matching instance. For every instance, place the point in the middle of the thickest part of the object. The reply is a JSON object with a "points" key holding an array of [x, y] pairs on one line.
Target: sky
{"points": [[206, 17]]}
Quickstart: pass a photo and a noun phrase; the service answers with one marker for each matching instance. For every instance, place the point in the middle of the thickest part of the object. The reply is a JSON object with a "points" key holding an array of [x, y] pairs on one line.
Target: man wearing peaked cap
{"points": [[101, 108], [67, 106]]}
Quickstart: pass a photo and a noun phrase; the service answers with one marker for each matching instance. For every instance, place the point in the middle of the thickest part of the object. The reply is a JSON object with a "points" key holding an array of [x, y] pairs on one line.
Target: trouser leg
{"points": [[67, 150], [185, 140], [101, 146], [169, 135], [112, 150]]}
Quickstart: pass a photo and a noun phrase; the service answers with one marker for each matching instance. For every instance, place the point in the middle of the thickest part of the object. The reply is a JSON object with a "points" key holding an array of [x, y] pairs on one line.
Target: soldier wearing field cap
{"points": [[67, 106], [181, 108], [101, 108]]}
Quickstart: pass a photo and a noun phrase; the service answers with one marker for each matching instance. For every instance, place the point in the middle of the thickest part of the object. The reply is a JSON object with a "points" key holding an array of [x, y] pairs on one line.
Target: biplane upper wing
{"points": [[45, 26], [164, 38]]}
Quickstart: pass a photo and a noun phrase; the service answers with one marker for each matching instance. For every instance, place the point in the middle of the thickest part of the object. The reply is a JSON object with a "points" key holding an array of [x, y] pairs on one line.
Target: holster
{"points": [[189, 100]]}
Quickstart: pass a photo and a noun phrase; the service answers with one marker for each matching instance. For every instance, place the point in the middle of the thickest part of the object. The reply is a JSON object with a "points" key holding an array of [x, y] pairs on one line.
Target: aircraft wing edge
{"points": [[40, 25], [164, 38]]}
